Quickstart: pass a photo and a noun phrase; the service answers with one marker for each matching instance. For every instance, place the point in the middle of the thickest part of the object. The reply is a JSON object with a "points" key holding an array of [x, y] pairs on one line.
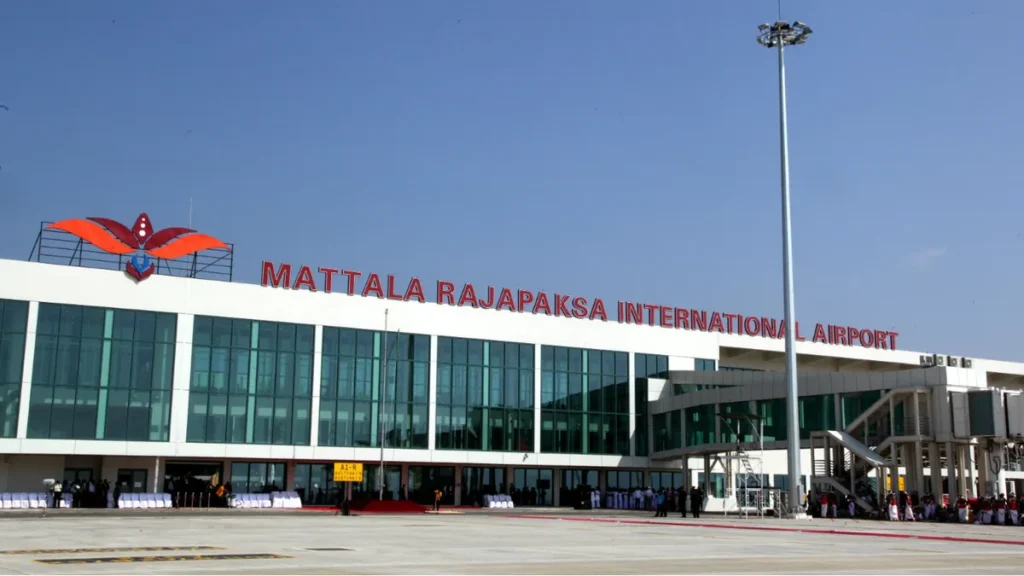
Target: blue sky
{"points": [[622, 150]]}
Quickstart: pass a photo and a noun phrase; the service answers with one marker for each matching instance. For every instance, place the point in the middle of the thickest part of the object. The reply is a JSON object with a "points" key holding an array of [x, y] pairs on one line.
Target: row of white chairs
{"points": [[252, 501], [23, 500], [498, 501], [144, 501], [271, 500], [286, 500]]}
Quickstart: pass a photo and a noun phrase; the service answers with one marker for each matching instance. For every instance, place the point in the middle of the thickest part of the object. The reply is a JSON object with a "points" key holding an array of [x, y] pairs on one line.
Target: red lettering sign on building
{"points": [[373, 285]]}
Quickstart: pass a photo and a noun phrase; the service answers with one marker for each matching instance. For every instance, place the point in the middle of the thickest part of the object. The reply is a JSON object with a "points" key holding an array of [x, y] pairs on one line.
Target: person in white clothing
{"points": [[648, 498], [894, 511]]}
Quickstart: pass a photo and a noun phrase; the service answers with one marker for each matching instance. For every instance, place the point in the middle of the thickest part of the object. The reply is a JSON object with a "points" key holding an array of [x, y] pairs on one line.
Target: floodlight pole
{"points": [[778, 35], [383, 405]]}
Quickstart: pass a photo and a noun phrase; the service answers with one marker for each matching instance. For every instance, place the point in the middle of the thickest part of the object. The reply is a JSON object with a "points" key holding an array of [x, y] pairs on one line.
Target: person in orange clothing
{"points": [[437, 500]]}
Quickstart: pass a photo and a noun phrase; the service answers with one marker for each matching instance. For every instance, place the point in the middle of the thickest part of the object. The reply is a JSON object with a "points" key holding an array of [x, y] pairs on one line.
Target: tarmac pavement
{"points": [[526, 541]]}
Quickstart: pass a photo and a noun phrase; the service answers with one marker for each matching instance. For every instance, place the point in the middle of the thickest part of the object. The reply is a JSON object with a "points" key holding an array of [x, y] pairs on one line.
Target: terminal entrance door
{"points": [[132, 480]]}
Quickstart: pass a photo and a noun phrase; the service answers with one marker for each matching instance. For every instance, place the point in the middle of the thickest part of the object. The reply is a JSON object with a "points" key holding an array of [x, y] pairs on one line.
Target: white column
{"points": [[156, 477], [26, 369], [432, 396], [631, 375], [972, 457], [314, 405], [935, 468], [182, 377], [951, 475], [537, 371]]}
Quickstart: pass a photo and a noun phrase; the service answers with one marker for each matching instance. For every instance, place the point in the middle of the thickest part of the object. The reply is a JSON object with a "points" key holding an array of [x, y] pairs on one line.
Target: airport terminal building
{"points": [[134, 357]]}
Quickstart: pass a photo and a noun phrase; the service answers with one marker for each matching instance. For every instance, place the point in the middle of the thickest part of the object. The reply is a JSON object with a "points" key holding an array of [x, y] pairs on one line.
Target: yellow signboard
{"points": [[348, 471], [888, 483]]}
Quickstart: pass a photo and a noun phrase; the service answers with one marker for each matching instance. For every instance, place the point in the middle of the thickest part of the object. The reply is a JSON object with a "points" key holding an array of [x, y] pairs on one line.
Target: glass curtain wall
{"points": [[251, 382], [485, 395], [647, 366], [350, 392], [102, 374], [584, 401], [13, 325]]}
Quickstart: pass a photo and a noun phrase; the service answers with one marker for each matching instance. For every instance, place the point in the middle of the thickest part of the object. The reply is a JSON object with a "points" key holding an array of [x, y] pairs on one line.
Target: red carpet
{"points": [[387, 507]]}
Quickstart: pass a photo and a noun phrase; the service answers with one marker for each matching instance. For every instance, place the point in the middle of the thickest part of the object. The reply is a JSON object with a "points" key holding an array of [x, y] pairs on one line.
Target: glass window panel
{"points": [[163, 366], [347, 342], [459, 385], [547, 358], [575, 360], [526, 388], [166, 328], [48, 319], [120, 364], [662, 365], [90, 361], [70, 320], [195, 430], [124, 324], [304, 339], [238, 411], [511, 381], [330, 344], [622, 364], [346, 378], [364, 344], [344, 422], [66, 370], [138, 416], [222, 332], [12, 350], [594, 361], [444, 350], [282, 429], [286, 337], [476, 353], [326, 431], [526, 353], [608, 363], [301, 419], [575, 392], [220, 366], [200, 368], [303, 375], [361, 431], [142, 366], [14, 317], [329, 377], [459, 351], [561, 390], [268, 336], [116, 421], [202, 330], [285, 373], [62, 413], [561, 359], [420, 421], [495, 392], [476, 386], [160, 416], [45, 358], [511, 355], [39, 411], [216, 420], [265, 373], [263, 423], [421, 381], [421, 343], [145, 326], [238, 380]]}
